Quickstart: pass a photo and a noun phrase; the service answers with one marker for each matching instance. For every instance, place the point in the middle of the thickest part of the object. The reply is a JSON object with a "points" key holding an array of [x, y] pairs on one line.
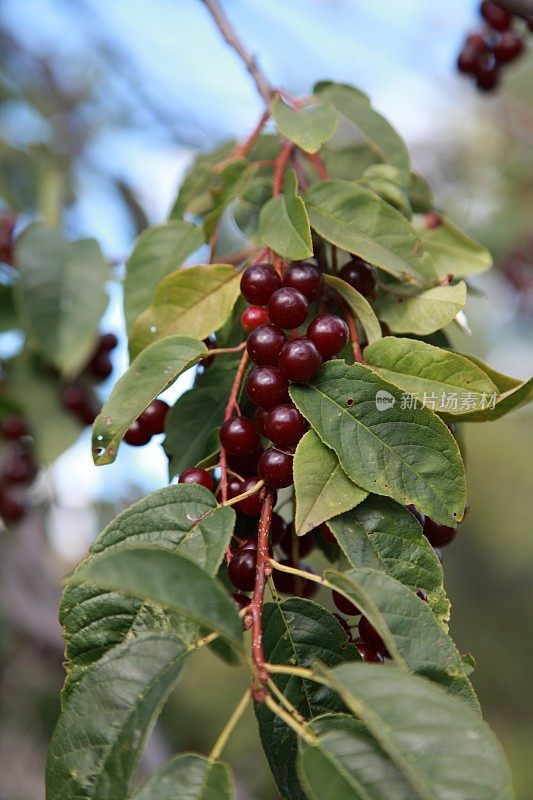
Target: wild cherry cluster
{"points": [[78, 397], [150, 423], [486, 51], [17, 467]]}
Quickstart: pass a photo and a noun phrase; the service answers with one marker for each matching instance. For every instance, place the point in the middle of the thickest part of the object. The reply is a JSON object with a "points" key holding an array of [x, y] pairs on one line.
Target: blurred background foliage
{"points": [[103, 106]]}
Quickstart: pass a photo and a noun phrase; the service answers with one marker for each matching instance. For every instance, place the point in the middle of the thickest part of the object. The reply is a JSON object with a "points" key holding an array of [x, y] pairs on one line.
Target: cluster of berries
{"points": [[150, 423], [78, 397], [17, 467], [486, 51]]}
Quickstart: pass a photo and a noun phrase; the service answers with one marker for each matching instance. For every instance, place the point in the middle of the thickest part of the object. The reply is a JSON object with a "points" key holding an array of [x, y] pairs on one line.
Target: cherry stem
{"points": [[289, 720], [229, 727], [309, 576], [244, 148], [263, 571], [354, 336], [237, 499], [319, 165], [222, 350], [285, 702], [281, 164]]}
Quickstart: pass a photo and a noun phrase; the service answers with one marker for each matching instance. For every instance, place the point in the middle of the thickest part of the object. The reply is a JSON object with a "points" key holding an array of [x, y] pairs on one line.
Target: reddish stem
{"points": [[354, 336], [319, 165], [262, 571], [281, 164], [244, 148]]}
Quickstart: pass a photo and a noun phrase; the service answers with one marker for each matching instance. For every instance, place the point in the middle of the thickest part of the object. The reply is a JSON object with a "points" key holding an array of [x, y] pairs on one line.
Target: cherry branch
{"points": [[263, 571], [230, 36]]}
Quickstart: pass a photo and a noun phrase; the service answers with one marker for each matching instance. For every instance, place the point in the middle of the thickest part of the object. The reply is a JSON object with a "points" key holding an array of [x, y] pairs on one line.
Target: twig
{"points": [[263, 571], [354, 336], [281, 163], [229, 727], [228, 32], [319, 165], [289, 720], [244, 148]]}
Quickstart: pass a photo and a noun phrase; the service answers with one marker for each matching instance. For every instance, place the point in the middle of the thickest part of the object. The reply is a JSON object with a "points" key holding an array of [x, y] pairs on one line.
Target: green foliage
{"points": [[421, 312], [359, 305], [283, 223], [453, 252], [308, 126], [194, 777]]}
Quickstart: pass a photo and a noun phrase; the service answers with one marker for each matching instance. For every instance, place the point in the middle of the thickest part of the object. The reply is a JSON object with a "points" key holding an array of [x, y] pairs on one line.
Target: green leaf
{"points": [[359, 305], [231, 180], [189, 777], [56, 278], [321, 486], [422, 312], [155, 369], [388, 182], [383, 535], [307, 126], [409, 455], [192, 302], [8, 314], [420, 194], [168, 578], [193, 194], [283, 223], [102, 730], [413, 636], [441, 747], [297, 632], [158, 251], [454, 253], [358, 221], [440, 379], [346, 762], [356, 108], [182, 518], [348, 163]]}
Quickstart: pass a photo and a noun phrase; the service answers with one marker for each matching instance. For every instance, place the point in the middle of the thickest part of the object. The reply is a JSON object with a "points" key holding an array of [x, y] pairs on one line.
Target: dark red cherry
{"points": [[370, 635], [487, 78], [509, 46], [199, 476], [416, 514], [300, 360], [278, 528], [241, 601], [368, 653], [345, 605], [294, 584], [241, 568], [474, 51], [284, 425], [497, 17], [304, 544], [327, 534], [288, 308], [275, 468], [136, 435], [153, 417], [329, 333], [360, 275], [245, 465], [439, 535], [306, 278], [240, 436], [267, 386], [258, 282], [252, 317], [344, 625], [260, 419], [14, 427], [107, 342], [250, 505], [264, 345], [12, 508], [100, 366]]}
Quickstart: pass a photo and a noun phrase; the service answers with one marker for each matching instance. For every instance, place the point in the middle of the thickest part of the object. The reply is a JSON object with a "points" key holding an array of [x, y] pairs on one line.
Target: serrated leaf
{"points": [[165, 577], [359, 221], [359, 305], [182, 518], [356, 108], [440, 379], [101, 732], [454, 253], [55, 279], [283, 223], [383, 535], [409, 455], [296, 632], [422, 312], [153, 370], [308, 126], [157, 251], [346, 762], [441, 747], [413, 636], [194, 301], [322, 488], [189, 777]]}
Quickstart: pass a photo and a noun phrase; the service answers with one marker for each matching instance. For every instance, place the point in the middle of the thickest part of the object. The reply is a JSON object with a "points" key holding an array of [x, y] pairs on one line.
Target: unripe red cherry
{"points": [[199, 476], [306, 278], [250, 505], [345, 605], [275, 468], [153, 417], [370, 635], [432, 220], [264, 345], [14, 427], [329, 333], [288, 308], [136, 435], [508, 47], [497, 17], [360, 275], [284, 425], [252, 317], [258, 282], [239, 436], [267, 386], [300, 360], [241, 568], [439, 535]]}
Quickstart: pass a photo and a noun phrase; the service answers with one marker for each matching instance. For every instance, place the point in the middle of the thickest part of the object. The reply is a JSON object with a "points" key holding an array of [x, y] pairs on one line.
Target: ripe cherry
{"points": [[14, 427], [345, 605], [306, 278], [304, 544], [284, 425], [241, 568], [288, 308], [267, 386], [199, 476], [475, 48], [344, 625], [250, 505], [252, 317], [264, 345], [368, 653], [153, 417], [245, 465], [300, 360], [11, 507], [239, 436], [258, 282], [487, 78], [329, 333], [100, 366], [107, 342], [136, 435], [508, 47], [260, 419], [294, 584], [275, 468], [278, 528], [497, 17], [370, 635], [439, 535], [416, 514], [327, 534], [360, 275]]}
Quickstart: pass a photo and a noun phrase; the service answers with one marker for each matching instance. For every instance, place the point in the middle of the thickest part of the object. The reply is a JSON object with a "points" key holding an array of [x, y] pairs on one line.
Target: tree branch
{"points": [[228, 32]]}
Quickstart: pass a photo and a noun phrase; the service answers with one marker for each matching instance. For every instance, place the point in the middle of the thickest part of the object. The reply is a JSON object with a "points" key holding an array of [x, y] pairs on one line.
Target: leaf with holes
{"points": [[283, 223], [321, 486], [308, 126], [407, 454], [359, 306], [421, 312]]}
